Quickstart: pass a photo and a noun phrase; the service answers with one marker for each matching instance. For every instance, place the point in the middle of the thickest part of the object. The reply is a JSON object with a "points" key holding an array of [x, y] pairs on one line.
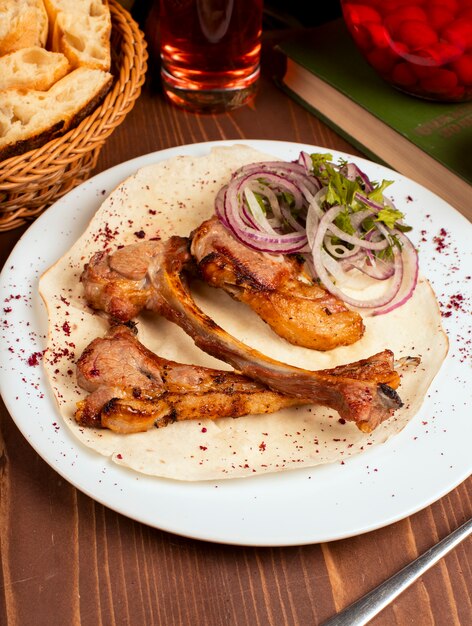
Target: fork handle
{"points": [[367, 607]]}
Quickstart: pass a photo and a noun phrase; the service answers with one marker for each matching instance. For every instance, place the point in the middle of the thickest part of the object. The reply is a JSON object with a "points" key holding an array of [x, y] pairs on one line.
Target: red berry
{"points": [[466, 14], [456, 94], [423, 67], [439, 17], [459, 33], [392, 5], [463, 69], [440, 53], [394, 20], [382, 59], [451, 5], [378, 34], [439, 82], [403, 75], [414, 12], [417, 34], [399, 48]]}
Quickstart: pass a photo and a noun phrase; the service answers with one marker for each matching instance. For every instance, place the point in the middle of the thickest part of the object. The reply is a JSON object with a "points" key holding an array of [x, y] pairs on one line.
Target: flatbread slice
{"points": [[173, 197]]}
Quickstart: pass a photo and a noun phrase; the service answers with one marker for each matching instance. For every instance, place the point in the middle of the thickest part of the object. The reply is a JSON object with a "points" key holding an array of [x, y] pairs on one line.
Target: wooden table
{"points": [[67, 560]]}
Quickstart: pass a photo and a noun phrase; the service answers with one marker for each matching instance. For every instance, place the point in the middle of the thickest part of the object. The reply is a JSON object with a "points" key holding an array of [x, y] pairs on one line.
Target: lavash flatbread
{"points": [[173, 197]]}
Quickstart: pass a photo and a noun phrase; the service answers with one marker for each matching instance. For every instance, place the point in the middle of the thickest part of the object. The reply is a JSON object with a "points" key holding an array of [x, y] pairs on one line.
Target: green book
{"points": [[429, 142]]}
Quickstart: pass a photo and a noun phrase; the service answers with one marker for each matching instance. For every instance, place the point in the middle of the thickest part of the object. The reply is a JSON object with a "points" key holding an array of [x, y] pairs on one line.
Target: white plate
{"points": [[387, 483]]}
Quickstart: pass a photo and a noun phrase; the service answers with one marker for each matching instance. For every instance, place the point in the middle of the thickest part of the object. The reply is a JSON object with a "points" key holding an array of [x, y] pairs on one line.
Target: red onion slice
{"points": [[410, 275], [325, 277], [357, 241], [291, 218], [352, 172]]}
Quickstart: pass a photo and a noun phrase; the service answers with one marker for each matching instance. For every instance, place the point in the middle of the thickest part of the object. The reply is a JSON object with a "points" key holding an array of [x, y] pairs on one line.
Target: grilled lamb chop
{"points": [[276, 288], [132, 389], [121, 285]]}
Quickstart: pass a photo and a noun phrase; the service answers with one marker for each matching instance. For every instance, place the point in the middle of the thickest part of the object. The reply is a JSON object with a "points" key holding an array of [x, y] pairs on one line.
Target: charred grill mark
{"points": [[392, 399], [149, 375], [298, 259], [86, 416], [109, 406], [171, 416], [210, 324], [242, 275], [132, 325], [219, 379], [212, 257]]}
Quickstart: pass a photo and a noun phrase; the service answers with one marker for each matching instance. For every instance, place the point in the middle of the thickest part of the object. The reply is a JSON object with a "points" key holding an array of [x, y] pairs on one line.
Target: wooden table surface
{"points": [[65, 559]]}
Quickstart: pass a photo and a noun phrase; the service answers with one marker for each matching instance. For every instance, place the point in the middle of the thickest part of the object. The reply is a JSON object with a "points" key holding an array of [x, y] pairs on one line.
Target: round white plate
{"points": [[387, 483]]}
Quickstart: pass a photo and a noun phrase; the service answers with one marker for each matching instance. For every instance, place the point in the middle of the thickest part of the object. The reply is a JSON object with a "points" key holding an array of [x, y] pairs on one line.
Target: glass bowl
{"points": [[422, 47]]}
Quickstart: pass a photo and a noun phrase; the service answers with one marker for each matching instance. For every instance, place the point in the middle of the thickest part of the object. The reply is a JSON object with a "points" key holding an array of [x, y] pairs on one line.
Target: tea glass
{"points": [[210, 52]]}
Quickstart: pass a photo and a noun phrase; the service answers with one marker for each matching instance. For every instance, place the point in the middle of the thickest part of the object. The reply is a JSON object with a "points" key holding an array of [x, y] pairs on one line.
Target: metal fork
{"points": [[367, 607]]}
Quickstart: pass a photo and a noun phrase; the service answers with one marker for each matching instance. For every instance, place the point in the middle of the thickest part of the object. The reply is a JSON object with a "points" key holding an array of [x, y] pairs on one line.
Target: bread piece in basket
{"points": [[81, 29], [23, 23], [29, 118], [32, 68], [33, 180]]}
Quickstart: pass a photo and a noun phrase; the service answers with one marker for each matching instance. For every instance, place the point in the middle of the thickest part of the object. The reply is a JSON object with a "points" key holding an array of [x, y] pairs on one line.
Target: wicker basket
{"points": [[31, 182]]}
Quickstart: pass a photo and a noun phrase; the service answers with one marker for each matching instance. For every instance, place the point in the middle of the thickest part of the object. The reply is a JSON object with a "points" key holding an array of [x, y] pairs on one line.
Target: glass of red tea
{"points": [[210, 52], [423, 47]]}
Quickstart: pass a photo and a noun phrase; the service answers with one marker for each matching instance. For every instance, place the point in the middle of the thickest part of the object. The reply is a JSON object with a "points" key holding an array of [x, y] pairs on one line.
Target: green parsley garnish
{"points": [[350, 193]]}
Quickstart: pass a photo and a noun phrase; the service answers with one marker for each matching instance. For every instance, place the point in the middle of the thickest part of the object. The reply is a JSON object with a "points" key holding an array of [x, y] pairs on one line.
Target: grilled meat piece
{"points": [[276, 288], [132, 389], [119, 284], [363, 392]]}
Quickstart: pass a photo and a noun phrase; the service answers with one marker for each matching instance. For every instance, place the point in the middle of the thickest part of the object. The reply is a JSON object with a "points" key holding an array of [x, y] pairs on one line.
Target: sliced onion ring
{"points": [[288, 216], [410, 275], [325, 277]]}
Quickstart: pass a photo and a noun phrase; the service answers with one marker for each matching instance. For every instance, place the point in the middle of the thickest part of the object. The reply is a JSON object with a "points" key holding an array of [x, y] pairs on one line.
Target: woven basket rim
{"points": [[97, 126]]}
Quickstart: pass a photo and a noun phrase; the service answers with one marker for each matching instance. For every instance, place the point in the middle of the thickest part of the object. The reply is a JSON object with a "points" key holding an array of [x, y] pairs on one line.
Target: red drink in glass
{"points": [[423, 47], [210, 52]]}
